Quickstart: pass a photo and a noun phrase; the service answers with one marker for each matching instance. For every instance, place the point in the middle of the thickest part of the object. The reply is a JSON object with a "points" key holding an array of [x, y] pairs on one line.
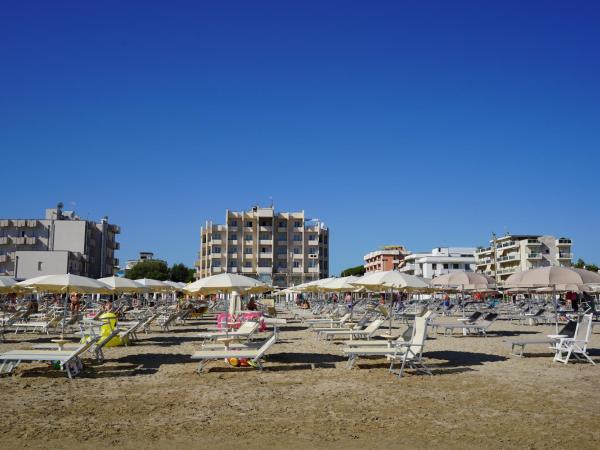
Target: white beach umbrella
{"points": [[66, 283], [174, 285], [467, 281], [120, 285], [226, 282], [9, 285], [391, 279], [316, 285], [153, 285], [340, 284]]}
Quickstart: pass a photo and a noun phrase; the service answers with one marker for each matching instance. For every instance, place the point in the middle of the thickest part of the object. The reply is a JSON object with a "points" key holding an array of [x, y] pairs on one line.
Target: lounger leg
{"points": [[351, 361], [201, 365]]}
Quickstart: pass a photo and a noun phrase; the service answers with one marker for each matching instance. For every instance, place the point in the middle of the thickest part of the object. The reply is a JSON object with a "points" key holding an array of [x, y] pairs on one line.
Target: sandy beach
{"points": [[149, 396]]}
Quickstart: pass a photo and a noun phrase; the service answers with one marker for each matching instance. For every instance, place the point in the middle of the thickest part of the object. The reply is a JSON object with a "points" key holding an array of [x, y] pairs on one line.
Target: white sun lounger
{"points": [[577, 345], [367, 333], [245, 331], [253, 355], [69, 360]]}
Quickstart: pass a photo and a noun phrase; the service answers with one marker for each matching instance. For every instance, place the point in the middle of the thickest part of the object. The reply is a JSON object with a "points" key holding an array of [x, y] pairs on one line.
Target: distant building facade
{"points": [[515, 253], [144, 256], [388, 258], [439, 261], [60, 243], [280, 248]]}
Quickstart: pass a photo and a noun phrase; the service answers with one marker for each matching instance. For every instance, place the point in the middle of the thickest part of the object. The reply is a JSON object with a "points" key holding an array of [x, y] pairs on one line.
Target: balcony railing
{"points": [[563, 241], [534, 256], [565, 255]]}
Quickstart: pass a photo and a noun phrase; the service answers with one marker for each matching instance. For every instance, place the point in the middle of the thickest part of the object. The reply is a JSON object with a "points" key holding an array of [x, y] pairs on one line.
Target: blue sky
{"points": [[419, 123]]}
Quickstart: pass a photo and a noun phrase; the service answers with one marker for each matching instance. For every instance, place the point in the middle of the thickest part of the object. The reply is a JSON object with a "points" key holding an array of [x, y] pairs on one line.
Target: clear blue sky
{"points": [[412, 122]]}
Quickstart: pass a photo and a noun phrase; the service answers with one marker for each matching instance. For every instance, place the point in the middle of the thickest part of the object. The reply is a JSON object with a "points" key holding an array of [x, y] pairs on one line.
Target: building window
{"points": [[233, 263], [216, 236], [233, 223], [445, 266], [248, 237], [282, 224], [247, 263], [296, 264], [455, 266], [297, 237], [265, 236], [281, 250], [216, 263], [264, 250], [297, 223], [312, 250], [232, 250], [39, 266], [297, 250], [282, 265], [434, 266], [216, 249], [282, 236], [312, 237], [249, 223], [247, 251], [233, 237], [312, 263]]}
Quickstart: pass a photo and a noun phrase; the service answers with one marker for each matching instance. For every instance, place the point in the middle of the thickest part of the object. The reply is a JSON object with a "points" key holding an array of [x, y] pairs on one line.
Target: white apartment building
{"points": [[439, 261], [514, 253], [60, 243], [279, 248]]}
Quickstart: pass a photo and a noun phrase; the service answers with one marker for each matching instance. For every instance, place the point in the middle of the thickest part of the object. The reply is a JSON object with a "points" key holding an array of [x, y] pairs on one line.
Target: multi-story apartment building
{"points": [[388, 258], [514, 253], [280, 248], [60, 243], [439, 261]]}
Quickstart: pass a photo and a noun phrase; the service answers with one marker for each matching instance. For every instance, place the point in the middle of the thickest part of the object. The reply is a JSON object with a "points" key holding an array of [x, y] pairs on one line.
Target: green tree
{"points": [[181, 273], [152, 268], [591, 267], [356, 271], [580, 264]]}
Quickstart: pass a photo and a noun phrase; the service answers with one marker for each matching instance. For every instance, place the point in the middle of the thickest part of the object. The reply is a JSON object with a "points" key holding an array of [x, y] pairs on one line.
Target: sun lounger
{"points": [[479, 327], [330, 322], [41, 326], [518, 345], [253, 355], [366, 333], [245, 331], [69, 360], [577, 345], [410, 353], [95, 349]]}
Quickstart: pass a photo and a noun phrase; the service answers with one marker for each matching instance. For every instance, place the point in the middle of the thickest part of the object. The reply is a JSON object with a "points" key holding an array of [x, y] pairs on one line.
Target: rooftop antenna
{"points": [[271, 198]]}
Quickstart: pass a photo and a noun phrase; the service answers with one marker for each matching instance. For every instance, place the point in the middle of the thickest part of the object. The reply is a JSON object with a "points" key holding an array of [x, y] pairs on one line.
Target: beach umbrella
{"points": [[340, 284], [153, 285], [66, 284], [390, 280], [120, 285], [552, 277], [467, 281], [227, 283], [8, 285]]}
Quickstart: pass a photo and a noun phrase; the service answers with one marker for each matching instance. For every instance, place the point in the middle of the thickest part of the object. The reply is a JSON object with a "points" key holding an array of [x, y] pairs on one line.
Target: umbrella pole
{"points": [[555, 307], [391, 312], [62, 331]]}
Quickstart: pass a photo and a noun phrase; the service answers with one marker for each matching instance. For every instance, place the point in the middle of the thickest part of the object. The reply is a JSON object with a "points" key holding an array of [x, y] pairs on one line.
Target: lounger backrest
{"points": [[344, 318], [569, 329], [373, 326], [85, 346], [419, 335], [262, 350], [476, 315], [584, 328], [247, 327]]}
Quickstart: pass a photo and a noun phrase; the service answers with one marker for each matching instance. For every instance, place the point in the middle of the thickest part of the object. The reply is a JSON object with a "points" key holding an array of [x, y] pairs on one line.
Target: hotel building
{"points": [[514, 253], [388, 258], [279, 248], [60, 243], [439, 261]]}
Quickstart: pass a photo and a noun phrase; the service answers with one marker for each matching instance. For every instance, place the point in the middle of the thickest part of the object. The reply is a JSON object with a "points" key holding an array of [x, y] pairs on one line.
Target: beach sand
{"points": [[149, 396]]}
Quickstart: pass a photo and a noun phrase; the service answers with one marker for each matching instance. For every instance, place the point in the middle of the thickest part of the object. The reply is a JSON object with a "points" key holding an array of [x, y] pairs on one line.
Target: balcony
{"points": [[568, 256], [5, 223], [247, 270], [268, 228], [282, 229], [3, 240], [533, 243], [20, 223], [115, 228], [264, 270], [214, 256], [298, 256], [32, 223], [313, 242], [267, 255], [484, 262], [233, 242], [296, 269], [18, 240], [508, 258], [282, 242], [30, 240], [508, 270], [265, 241], [563, 242], [483, 250], [216, 241], [313, 270], [534, 256], [507, 244]]}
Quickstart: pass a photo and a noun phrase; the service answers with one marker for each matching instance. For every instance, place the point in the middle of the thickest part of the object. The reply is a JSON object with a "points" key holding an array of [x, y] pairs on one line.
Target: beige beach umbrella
{"points": [[66, 284], [467, 281], [340, 284], [153, 285], [8, 285], [225, 283], [120, 285]]}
